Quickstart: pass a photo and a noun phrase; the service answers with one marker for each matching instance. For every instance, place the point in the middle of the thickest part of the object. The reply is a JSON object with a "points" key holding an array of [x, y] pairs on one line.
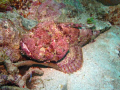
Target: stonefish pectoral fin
{"points": [[73, 60]]}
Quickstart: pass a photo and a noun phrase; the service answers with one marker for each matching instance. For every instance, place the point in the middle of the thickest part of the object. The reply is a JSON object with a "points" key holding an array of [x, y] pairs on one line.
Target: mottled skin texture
{"points": [[50, 43], [45, 44], [59, 42], [73, 60]]}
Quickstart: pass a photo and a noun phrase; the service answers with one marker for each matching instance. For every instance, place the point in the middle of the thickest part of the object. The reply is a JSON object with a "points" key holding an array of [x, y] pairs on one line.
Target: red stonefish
{"points": [[58, 43]]}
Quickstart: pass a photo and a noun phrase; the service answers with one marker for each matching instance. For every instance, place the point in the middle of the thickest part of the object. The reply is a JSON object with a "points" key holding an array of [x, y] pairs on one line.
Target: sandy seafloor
{"points": [[100, 70]]}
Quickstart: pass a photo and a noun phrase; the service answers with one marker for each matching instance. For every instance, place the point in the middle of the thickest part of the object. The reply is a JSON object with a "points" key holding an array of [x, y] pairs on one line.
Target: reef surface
{"points": [[48, 33]]}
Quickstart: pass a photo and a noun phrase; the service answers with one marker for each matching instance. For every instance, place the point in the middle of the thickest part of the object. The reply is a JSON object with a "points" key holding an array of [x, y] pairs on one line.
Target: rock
{"points": [[28, 23], [12, 16], [102, 25]]}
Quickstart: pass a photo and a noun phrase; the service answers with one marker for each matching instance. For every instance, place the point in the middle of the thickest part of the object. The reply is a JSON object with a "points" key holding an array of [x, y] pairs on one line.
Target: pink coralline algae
{"points": [[9, 41], [50, 8]]}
